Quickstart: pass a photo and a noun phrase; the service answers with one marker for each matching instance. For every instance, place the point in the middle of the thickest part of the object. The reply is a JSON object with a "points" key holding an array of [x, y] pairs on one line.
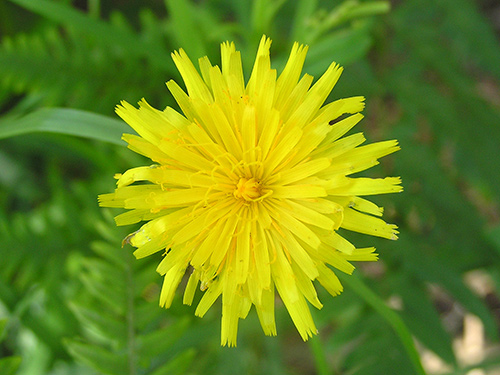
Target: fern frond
{"points": [[70, 70], [102, 33], [111, 308]]}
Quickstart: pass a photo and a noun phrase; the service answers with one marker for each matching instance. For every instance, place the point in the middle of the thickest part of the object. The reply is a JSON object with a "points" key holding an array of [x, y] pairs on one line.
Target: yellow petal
{"points": [[209, 297], [366, 254], [195, 85], [367, 186], [291, 73], [299, 254], [304, 170], [316, 97], [284, 148], [306, 286], [298, 191], [362, 223], [329, 280], [170, 283], [265, 311], [307, 215], [190, 290], [242, 252]]}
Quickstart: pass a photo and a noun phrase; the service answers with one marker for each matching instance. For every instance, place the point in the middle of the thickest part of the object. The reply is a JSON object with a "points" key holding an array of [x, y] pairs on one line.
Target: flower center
{"points": [[247, 189]]}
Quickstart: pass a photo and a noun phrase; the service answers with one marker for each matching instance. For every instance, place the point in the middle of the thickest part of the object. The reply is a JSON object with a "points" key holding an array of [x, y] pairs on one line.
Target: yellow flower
{"points": [[249, 187]]}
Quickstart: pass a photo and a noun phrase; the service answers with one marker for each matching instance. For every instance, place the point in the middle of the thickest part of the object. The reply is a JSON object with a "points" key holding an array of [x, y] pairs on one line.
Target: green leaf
{"points": [[122, 329], [177, 365], [359, 340], [185, 27], [431, 270], [3, 324], [345, 11], [493, 235], [344, 47], [488, 364], [98, 357], [422, 318], [65, 121], [108, 251], [109, 292], [394, 320], [303, 14], [59, 66], [471, 33], [9, 366], [100, 321], [99, 30], [157, 342], [262, 14]]}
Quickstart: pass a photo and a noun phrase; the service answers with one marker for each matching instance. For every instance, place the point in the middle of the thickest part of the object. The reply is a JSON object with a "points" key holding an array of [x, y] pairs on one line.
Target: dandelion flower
{"points": [[249, 186]]}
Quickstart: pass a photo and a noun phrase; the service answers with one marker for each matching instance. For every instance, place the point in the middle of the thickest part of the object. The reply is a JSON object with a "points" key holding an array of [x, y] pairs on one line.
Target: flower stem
{"points": [[319, 356], [131, 339]]}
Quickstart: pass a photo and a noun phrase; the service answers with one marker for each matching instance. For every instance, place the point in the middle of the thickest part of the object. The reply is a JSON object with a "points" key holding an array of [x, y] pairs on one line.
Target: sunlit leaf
{"points": [[66, 121]]}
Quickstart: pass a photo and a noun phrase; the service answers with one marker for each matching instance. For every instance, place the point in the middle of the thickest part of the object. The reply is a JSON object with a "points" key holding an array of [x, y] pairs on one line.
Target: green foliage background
{"points": [[72, 301]]}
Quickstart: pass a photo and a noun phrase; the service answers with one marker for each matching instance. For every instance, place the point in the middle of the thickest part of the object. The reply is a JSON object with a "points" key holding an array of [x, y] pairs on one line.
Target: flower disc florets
{"points": [[249, 187]]}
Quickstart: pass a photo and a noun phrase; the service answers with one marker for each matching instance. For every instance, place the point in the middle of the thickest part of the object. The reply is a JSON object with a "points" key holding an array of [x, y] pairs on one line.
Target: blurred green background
{"points": [[72, 301]]}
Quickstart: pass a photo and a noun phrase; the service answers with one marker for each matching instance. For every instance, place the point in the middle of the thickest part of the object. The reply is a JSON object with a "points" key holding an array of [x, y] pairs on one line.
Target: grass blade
{"points": [[394, 320], [66, 121]]}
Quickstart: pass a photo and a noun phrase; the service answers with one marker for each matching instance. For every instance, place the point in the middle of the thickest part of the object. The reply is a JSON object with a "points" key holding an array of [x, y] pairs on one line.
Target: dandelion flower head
{"points": [[249, 186]]}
